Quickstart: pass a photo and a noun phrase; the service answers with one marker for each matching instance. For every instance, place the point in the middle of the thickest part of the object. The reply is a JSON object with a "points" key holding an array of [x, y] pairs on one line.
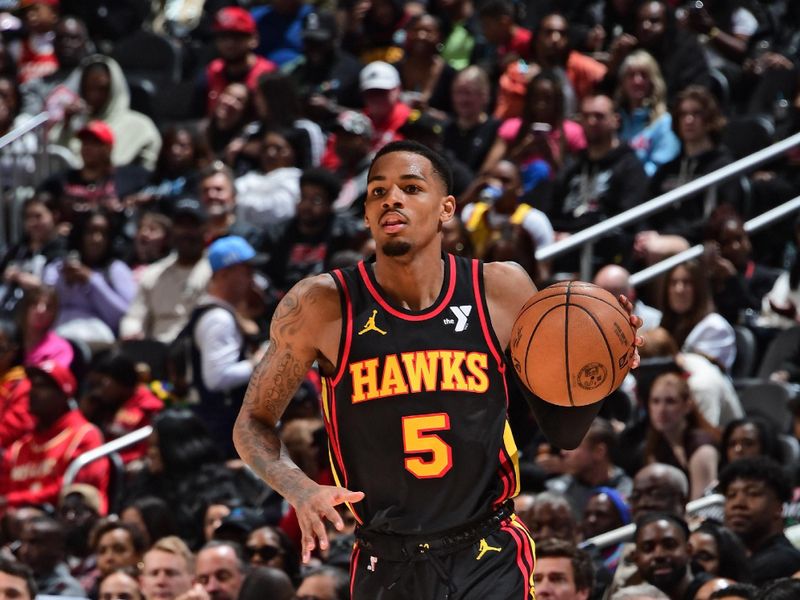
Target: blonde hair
{"points": [[657, 100], [172, 544]]}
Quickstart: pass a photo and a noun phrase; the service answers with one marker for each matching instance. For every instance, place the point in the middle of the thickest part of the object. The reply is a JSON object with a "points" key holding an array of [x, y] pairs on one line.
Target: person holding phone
{"points": [[542, 138]]}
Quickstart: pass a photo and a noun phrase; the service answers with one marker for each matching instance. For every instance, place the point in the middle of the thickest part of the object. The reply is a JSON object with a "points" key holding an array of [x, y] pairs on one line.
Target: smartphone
{"points": [[541, 128]]}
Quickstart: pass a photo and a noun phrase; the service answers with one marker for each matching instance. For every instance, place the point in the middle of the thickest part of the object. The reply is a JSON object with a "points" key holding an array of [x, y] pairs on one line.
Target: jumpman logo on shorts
{"points": [[370, 325], [484, 547]]}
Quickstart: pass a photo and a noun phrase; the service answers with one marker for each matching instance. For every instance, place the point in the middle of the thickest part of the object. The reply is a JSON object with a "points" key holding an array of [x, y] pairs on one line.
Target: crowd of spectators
{"points": [[210, 155]]}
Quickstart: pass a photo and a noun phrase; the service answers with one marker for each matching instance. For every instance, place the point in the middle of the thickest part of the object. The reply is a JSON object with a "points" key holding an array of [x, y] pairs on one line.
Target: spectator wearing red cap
{"points": [[33, 467], [236, 39], [34, 53], [105, 96], [97, 183]]}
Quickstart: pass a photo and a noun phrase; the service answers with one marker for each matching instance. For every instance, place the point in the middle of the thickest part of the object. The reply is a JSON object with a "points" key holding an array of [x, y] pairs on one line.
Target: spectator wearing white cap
{"points": [[380, 89]]}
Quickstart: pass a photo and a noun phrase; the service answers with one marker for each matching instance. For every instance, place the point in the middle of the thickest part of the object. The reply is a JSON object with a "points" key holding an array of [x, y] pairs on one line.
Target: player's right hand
{"points": [[314, 505]]}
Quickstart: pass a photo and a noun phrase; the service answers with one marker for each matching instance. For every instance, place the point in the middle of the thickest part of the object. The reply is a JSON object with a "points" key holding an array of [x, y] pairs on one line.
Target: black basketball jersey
{"points": [[417, 410]]}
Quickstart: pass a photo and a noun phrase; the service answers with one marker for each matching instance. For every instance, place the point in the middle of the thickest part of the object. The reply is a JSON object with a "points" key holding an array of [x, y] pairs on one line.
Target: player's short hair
{"points": [[322, 178], [648, 518], [172, 544], [758, 468], [736, 590], [639, 592], [582, 568], [439, 164], [21, 570]]}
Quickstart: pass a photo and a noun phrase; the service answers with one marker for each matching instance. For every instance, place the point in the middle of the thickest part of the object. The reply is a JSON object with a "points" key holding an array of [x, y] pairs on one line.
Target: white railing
{"points": [[626, 532], [90, 456], [750, 226], [586, 237], [23, 164]]}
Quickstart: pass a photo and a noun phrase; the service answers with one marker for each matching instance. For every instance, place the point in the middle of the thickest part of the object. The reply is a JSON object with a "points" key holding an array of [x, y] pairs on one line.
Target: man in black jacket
{"points": [[605, 179]]}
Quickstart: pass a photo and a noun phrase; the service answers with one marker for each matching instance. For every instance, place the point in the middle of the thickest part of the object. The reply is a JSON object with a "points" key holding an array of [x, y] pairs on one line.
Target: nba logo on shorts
{"points": [[373, 560]]}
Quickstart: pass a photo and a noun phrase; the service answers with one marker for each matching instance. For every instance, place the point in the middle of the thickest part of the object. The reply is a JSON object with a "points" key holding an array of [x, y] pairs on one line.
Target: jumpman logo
{"points": [[370, 325], [484, 548]]}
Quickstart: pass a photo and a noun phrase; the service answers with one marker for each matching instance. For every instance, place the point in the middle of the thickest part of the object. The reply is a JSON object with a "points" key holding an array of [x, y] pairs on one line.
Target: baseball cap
{"points": [[378, 75], [58, 374], [89, 493], [420, 122], [234, 19], [354, 122], [319, 26], [27, 3], [189, 207], [231, 250], [99, 131]]}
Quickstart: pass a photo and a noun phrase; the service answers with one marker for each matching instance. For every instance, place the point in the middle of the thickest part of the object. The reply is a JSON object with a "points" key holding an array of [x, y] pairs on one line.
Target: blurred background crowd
{"points": [[170, 168]]}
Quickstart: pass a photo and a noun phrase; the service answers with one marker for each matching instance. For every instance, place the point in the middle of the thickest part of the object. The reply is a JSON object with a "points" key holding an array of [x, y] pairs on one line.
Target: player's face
{"points": [[406, 204], [662, 554], [704, 551], [13, 588], [554, 580]]}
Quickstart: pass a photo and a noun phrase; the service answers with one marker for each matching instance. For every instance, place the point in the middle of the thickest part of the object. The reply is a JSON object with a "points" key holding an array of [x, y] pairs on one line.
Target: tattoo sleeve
{"points": [[272, 385]]}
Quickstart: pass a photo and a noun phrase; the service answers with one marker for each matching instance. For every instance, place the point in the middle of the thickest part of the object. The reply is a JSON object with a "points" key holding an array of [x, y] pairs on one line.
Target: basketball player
{"points": [[414, 400]]}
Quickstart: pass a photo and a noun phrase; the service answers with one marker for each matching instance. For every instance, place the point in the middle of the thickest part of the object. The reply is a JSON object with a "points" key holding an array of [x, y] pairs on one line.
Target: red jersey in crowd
{"points": [[137, 412], [33, 467], [15, 420], [218, 80]]}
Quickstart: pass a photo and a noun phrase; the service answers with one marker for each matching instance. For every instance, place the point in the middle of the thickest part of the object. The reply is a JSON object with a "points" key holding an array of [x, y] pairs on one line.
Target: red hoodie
{"points": [[33, 467], [15, 420], [137, 412]]}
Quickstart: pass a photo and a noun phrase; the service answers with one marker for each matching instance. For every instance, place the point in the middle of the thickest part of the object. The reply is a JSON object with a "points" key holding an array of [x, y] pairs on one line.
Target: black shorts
{"points": [[497, 566]]}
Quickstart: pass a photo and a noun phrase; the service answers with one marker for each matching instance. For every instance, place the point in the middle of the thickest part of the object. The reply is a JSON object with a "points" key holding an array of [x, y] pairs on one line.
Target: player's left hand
{"points": [[636, 323]]}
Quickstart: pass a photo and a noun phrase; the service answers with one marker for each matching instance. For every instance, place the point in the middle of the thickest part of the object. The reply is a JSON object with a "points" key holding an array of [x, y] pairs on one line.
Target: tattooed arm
{"points": [[306, 327]]}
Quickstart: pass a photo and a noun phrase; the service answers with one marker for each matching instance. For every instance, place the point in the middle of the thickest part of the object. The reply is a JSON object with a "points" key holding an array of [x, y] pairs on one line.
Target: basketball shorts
{"points": [[493, 559]]}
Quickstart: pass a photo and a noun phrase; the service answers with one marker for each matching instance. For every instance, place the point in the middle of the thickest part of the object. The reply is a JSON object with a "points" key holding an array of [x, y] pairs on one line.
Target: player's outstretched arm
{"points": [[508, 288], [310, 312]]}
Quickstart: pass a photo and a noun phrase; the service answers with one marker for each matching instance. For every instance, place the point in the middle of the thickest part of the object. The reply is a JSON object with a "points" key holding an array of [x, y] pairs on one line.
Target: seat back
{"points": [[768, 399], [150, 352], [746, 352], [747, 134]]}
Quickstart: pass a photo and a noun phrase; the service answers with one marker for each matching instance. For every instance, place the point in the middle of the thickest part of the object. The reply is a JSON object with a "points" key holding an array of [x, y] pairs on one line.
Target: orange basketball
{"points": [[572, 344]]}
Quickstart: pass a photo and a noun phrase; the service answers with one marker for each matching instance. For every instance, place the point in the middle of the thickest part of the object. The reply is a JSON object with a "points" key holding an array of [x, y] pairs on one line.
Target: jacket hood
{"points": [[120, 98]]}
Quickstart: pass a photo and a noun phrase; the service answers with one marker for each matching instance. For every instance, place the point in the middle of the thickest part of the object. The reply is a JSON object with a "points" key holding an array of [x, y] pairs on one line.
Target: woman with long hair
{"points": [[747, 437], [718, 551], [94, 287], [678, 435], [688, 313], [37, 316], [646, 125], [542, 138]]}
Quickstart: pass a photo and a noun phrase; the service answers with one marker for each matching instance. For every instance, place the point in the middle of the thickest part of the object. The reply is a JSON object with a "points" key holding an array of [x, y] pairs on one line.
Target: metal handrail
{"points": [[88, 457], [586, 236], [626, 532], [26, 127], [750, 226]]}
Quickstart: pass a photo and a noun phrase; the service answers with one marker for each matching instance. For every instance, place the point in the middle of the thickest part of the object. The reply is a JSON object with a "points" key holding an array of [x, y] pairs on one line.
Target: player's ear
{"points": [[448, 208]]}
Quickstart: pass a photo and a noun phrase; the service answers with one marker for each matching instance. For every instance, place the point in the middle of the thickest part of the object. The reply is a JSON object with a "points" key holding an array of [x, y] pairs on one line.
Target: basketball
{"points": [[572, 344]]}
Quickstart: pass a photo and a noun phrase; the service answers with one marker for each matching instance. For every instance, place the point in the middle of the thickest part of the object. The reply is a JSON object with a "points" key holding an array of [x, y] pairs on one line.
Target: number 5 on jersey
{"points": [[418, 438]]}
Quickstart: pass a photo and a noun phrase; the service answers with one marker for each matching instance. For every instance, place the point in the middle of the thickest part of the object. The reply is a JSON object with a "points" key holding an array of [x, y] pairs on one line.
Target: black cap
{"points": [[242, 519], [420, 122], [319, 26], [189, 207]]}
